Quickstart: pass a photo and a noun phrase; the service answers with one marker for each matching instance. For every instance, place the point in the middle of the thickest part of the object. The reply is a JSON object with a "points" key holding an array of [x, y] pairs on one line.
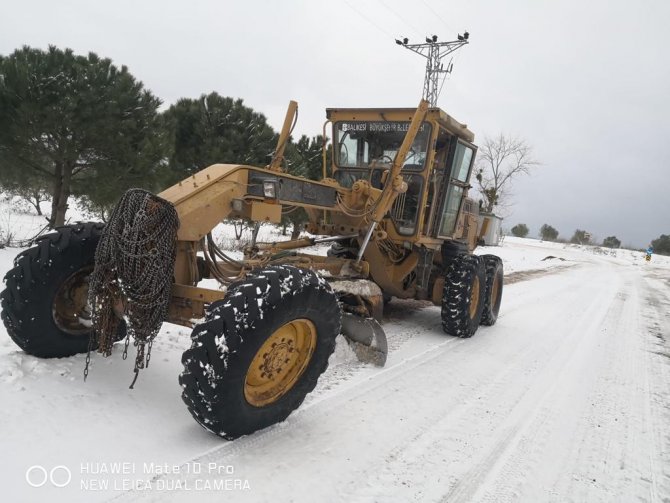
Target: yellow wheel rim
{"points": [[495, 291], [280, 362], [70, 309], [474, 298]]}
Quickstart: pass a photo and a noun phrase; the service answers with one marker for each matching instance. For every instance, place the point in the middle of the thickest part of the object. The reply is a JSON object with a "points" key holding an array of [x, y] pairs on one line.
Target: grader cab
{"points": [[392, 205]]}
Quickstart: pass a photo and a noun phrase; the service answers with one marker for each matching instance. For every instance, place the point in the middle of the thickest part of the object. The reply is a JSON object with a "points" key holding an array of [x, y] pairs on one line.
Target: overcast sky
{"points": [[586, 83]]}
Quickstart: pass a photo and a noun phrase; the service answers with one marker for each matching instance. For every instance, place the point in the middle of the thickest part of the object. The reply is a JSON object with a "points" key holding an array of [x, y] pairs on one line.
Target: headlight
{"points": [[237, 205], [270, 189]]}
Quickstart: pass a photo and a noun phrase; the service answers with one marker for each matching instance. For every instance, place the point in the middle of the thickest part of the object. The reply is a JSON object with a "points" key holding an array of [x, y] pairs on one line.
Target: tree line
{"points": [[79, 126], [549, 233], [660, 245]]}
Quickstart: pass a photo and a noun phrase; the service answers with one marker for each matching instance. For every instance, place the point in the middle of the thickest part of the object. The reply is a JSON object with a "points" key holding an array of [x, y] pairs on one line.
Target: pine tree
{"points": [[548, 233], [520, 230], [79, 124], [581, 237], [215, 129], [611, 242], [304, 158], [661, 245]]}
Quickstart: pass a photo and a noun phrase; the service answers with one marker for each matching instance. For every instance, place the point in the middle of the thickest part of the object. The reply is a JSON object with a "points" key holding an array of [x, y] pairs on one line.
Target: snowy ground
{"points": [[566, 398]]}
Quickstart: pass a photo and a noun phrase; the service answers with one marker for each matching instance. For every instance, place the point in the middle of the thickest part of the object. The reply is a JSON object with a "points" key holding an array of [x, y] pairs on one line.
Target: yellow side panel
{"points": [[263, 212], [204, 199]]}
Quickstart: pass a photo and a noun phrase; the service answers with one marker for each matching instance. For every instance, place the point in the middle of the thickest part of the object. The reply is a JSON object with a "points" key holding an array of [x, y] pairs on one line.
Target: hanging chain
{"points": [[126, 343], [133, 261], [149, 346], [88, 354]]}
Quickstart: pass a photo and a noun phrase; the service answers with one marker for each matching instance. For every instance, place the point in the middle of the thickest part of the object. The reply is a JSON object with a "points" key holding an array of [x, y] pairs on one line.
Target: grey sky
{"points": [[586, 83]]}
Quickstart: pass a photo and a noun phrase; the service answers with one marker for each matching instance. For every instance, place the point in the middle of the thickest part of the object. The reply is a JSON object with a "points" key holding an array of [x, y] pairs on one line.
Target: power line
{"points": [[402, 20], [437, 15], [366, 18]]}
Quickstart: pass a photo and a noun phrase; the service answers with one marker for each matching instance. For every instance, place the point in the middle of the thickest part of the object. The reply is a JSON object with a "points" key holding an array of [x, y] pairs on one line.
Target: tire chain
{"points": [[134, 257]]}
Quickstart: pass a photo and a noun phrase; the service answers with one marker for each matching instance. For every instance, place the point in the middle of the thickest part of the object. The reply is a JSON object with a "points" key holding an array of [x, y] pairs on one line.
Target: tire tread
{"points": [[211, 372]]}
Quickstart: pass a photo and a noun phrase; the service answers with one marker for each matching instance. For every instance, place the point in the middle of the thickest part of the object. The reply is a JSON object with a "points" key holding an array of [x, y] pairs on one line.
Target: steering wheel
{"points": [[386, 159]]}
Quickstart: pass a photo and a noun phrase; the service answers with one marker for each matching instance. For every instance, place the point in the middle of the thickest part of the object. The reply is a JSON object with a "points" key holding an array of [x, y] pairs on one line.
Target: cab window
{"points": [[368, 144], [460, 172], [462, 161]]}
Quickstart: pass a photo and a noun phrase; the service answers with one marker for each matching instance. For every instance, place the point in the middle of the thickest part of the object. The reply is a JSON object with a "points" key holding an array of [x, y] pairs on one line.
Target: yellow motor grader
{"points": [[392, 204]]}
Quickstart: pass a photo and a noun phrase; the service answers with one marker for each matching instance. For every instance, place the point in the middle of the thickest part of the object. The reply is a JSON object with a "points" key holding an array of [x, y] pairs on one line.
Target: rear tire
{"points": [[260, 351], [463, 295], [44, 303], [494, 289]]}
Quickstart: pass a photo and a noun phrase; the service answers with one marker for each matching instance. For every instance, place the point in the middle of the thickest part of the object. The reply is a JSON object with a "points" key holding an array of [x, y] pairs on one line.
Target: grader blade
{"points": [[366, 337]]}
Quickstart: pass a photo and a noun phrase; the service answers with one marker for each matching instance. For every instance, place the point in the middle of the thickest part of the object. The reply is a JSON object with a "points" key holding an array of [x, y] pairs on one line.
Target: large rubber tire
{"points": [[216, 366], [494, 289], [463, 295], [31, 286]]}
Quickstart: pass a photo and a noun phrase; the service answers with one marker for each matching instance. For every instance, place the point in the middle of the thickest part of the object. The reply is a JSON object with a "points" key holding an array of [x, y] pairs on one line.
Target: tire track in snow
{"points": [[614, 455], [515, 434], [607, 451], [656, 312], [465, 407], [530, 274], [506, 477], [477, 400]]}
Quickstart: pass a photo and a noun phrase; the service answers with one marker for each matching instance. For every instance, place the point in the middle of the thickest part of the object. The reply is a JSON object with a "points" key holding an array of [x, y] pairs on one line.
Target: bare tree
{"points": [[499, 160]]}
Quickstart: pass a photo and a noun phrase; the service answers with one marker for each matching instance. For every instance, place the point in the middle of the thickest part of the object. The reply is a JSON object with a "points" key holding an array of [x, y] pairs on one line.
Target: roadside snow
{"points": [[564, 399]]}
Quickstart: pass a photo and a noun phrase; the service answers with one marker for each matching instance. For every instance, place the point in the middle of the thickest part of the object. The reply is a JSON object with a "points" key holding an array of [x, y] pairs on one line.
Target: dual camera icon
{"points": [[58, 476]]}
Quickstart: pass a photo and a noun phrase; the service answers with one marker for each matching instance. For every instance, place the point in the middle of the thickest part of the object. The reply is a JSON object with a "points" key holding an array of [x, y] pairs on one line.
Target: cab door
{"points": [[460, 162]]}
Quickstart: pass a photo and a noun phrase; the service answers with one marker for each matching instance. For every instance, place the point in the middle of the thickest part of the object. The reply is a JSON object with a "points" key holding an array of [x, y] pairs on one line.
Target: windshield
{"points": [[365, 144]]}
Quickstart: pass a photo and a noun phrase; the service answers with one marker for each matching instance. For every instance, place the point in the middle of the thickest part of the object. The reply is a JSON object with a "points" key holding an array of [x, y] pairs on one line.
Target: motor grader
{"points": [[392, 204]]}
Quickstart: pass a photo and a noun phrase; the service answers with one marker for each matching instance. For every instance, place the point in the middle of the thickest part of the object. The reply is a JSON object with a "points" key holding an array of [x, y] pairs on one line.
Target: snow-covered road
{"points": [[566, 398]]}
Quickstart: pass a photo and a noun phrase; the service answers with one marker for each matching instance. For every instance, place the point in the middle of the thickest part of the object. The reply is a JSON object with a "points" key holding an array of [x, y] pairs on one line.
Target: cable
{"points": [[289, 210], [351, 212], [367, 19], [402, 20], [437, 15]]}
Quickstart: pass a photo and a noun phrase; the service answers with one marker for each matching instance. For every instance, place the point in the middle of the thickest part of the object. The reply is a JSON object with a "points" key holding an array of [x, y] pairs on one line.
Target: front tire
{"points": [[260, 351], [44, 304], [463, 295]]}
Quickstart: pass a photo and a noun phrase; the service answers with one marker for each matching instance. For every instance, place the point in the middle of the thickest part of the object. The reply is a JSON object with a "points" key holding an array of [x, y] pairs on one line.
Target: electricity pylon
{"points": [[435, 52]]}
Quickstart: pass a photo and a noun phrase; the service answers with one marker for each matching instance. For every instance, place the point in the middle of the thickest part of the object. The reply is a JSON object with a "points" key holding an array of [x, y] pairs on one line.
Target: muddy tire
{"points": [[260, 351], [44, 305], [494, 289], [463, 295]]}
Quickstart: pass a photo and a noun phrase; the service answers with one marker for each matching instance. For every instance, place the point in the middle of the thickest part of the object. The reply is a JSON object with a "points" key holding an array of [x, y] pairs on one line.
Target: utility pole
{"points": [[435, 52]]}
